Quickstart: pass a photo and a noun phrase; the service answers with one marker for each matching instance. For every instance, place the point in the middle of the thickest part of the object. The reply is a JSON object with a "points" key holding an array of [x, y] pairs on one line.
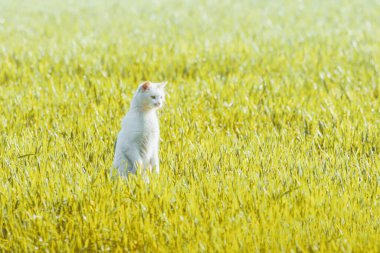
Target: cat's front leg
{"points": [[154, 162], [134, 160]]}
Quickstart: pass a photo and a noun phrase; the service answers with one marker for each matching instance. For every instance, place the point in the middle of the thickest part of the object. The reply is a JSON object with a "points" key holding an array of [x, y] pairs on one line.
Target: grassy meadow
{"points": [[270, 137]]}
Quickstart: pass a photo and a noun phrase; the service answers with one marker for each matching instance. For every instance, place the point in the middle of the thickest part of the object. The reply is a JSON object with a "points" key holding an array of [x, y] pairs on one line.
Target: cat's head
{"points": [[150, 95]]}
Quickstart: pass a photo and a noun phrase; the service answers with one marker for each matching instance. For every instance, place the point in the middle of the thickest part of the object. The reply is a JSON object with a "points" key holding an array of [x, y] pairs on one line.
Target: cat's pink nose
{"points": [[157, 104]]}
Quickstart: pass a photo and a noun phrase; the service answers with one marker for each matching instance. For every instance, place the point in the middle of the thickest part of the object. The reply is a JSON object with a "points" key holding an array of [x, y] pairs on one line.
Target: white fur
{"points": [[138, 141]]}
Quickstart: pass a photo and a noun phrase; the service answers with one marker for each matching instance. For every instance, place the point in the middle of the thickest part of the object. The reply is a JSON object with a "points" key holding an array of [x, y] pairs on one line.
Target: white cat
{"points": [[137, 142]]}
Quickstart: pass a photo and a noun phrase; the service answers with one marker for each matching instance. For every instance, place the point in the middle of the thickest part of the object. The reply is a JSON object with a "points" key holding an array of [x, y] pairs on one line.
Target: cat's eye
{"points": [[154, 97]]}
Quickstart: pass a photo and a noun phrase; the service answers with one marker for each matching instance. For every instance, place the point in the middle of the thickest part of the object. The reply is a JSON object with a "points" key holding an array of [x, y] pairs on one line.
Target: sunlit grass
{"points": [[270, 135]]}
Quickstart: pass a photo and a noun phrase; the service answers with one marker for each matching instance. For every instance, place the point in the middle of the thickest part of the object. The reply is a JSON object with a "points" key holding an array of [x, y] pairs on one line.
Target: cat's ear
{"points": [[162, 85], [145, 86]]}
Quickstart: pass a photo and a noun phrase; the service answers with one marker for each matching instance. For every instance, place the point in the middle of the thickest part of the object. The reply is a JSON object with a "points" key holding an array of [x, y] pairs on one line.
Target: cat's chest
{"points": [[149, 127], [149, 136]]}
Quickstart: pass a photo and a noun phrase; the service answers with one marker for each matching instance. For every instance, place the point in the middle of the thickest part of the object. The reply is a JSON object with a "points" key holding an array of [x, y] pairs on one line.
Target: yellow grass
{"points": [[270, 135]]}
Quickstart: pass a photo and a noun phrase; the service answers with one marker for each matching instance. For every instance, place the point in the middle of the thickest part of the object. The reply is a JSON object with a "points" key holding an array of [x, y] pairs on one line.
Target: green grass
{"points": [[270, 134]]}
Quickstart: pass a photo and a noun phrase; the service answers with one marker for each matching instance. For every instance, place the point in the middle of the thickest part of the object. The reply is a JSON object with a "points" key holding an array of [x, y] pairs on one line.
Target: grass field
{"points": [[270, 135]]}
